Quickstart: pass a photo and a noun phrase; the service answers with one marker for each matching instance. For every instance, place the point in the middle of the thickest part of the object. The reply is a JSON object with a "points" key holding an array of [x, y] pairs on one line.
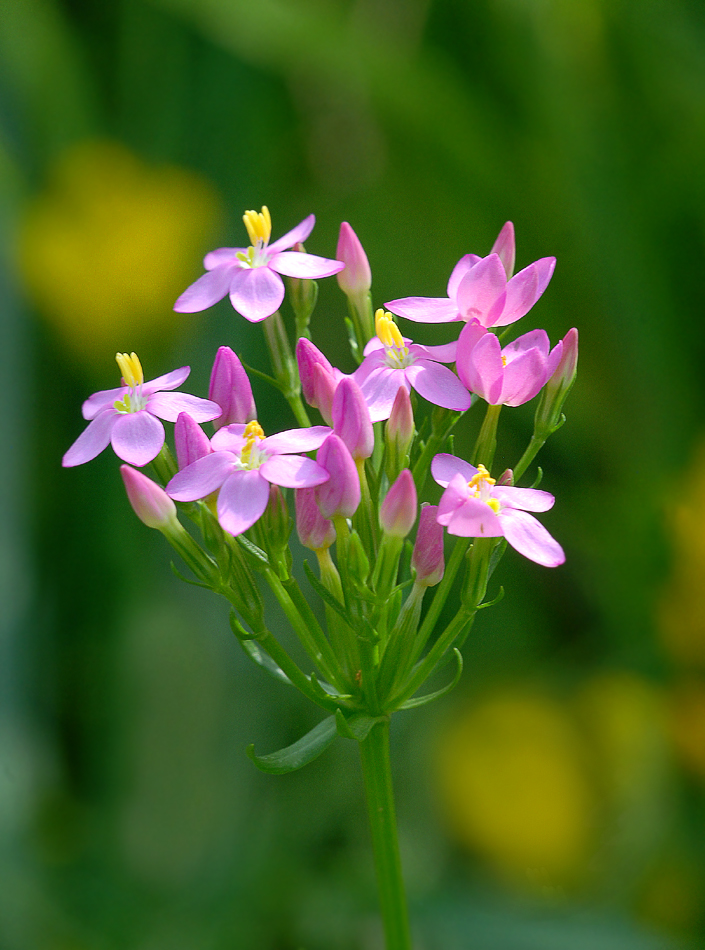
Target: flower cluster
{"points": [[359, 478]]}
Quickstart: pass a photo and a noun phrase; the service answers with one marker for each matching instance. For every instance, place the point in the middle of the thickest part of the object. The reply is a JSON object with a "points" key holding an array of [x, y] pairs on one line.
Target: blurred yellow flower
{"points": [[681, 614], [514, 788], [108, 246], [688, 725]]}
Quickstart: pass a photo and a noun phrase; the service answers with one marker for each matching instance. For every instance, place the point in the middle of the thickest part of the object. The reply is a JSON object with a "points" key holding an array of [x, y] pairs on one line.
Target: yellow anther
{"points": [[482, 475], [131, 369], [258, 224], [253, 431], [387, 330], [494, 505]]}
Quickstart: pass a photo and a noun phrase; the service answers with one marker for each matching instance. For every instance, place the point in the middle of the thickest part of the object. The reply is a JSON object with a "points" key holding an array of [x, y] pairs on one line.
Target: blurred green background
{"points": [[557, 799]]}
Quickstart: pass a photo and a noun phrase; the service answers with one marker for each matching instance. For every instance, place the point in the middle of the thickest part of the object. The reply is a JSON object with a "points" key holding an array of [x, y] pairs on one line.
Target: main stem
{"points": [[376, 769]]}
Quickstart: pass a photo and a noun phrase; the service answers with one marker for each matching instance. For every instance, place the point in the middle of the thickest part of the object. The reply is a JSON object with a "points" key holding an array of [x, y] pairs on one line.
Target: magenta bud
{"points": [[340, 495], [398, 512], [351, 419], [307, 356], [149, 501], [506, 478], [324, 386], [554, 393], [230, 388], [565, 372], [356, 278], [315, 531], [427, 557], [190, 440], [504, 248]]}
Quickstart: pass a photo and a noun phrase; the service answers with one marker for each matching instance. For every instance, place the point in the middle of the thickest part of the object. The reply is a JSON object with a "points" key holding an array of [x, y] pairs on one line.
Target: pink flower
{"points": [[149, 501], [392, 361], [509, 376], [482, 289], [474, 506], [251, 275], [243, 464], [318, 377], [128, 417], [230, 389]]}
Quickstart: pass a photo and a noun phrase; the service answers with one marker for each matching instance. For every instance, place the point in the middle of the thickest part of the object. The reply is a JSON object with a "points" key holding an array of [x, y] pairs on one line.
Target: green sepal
{"points": [[325, 691], [496, 556], [187, 580], [262, 659], [258, 557], [300, 753], [430, 697], [356, 726], [491, 603], [352, 340], [267, 379], [539, 477]]}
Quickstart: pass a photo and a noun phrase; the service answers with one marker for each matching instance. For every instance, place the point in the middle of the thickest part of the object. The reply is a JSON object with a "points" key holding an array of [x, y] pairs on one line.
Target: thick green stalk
{"points": [[376, 770], [486, 444]]}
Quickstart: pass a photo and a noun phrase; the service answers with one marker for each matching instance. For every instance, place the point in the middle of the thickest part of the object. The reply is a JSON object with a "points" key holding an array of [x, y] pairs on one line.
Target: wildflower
{"points": [[149, 501], [474, 506], [398, 511], [482, 289], [230, 389], [356, 278], [243, 464], [128, 417], [351, 419], [318, 378], [392, 361], [251, 275], [509, 376]]}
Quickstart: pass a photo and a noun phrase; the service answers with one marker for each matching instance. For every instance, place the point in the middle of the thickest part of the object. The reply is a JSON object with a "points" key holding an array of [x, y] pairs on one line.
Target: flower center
{"points": [[259, 229], [397, 354], [133, 377], [250, 456], [482, 483]]}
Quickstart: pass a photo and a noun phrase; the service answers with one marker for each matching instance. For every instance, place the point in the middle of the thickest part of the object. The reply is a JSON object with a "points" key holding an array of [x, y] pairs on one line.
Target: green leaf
{"points": [[326, 596], [258, 656], [295, 756], [356, 726], [430, 697], [256, 553]]}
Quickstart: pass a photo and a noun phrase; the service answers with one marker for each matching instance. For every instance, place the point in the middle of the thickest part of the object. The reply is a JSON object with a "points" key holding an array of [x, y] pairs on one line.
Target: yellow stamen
{"points": [[253, 431], [387, 330], [494, 505], [131, 369], [258, 224], [481, 476]]}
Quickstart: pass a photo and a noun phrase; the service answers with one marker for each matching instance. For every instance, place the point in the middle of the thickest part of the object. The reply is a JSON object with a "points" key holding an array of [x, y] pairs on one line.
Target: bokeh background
{"points": [[557, 798]]}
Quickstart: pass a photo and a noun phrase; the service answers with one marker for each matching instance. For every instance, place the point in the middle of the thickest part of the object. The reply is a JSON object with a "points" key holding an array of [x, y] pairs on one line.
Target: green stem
{"points": [[376, 770], [486, 444], [532, 450]]}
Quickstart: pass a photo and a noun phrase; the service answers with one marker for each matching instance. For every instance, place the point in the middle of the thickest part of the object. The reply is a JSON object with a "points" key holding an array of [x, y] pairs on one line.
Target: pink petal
{"points": [[504, 248], [242, 500], [374, 360], [425, 309], [528, 499], [222, 255], [438, 385], [101, 401], [137, 437], [372, 346], [295, 440], [256, 292], [296, 235], [169, 405], [206, 291], [229, 438], [529, 537], [524, 289], [445, 467], [481, 289], [168, 381], [536, 339], [456, 494], [442, 353], [380, 389], [201, 477], [523, 378], [465, 264], [483, 371], [91, 442], [293, 471], [308, 266], [474, 519]]}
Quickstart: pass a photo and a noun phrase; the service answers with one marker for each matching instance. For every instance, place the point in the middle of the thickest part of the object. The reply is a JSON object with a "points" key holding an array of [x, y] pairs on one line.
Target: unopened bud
{"points": [[315, 531], [399, 433], [356, 278], [149, 501], [427, 558], [351, 419], [398, 512], [190, 440], [303, 294], [230, 388], [504, 248], [340, 495], [553, 395]]}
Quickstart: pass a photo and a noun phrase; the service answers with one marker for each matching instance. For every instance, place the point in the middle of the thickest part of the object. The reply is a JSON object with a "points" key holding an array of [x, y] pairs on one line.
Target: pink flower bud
{"points": [[427, 558], [504, 248], [230, 389], [324, 385], [548, 411], [356, 278], [315, 531], [308, 356], [351, 419], [398, 512], [399, 430], [190, 440], [149, 501], [340, 495], [565, 372], [506, 478]]}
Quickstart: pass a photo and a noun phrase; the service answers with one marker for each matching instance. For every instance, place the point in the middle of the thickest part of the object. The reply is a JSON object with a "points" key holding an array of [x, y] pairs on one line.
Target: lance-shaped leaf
{"points": [[356, 726], [300, 753]]}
